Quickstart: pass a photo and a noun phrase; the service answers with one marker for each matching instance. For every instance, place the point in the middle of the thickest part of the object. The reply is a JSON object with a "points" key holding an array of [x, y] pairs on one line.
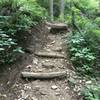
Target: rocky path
{"points": [[50, 58], [53, 89]]}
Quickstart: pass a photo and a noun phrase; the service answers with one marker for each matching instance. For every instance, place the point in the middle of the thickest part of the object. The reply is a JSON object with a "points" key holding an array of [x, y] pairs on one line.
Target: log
{"points": [[56, 25], [49, 75], [49, 55]]}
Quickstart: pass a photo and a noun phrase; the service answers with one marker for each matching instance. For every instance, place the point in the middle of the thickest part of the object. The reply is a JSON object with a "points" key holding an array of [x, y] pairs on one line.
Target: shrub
{"points": [[81, 55], [16, 16], [85, 39], [91, 92]]}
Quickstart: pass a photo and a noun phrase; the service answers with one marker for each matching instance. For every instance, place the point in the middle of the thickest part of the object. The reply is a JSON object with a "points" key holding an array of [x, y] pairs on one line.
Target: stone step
{"points": [[50, 54]]}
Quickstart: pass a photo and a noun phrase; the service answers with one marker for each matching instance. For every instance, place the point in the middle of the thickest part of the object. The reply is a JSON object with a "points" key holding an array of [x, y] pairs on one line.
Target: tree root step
{"points": [[57, 25], [49, 75], [49, 55]]}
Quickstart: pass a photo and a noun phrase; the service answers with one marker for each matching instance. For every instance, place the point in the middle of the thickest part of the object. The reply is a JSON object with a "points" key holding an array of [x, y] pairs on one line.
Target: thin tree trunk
{"points": [[62, 7], [51, 10]]}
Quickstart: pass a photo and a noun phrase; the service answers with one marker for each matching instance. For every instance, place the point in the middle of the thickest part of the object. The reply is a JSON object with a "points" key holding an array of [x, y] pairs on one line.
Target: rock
{"points": [[53, 42], [29, 98], [26, 86], [80, 81], [33, 98], [67, 88], [57, 94], [50, 55], [35, 61], [54, 87], [57, 90], [88, 82], [71, 81], [29, 66], [3, 95]]}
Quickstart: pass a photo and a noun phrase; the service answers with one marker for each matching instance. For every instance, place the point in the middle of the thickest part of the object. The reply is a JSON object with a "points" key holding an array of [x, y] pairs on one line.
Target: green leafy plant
{"points": [[85, 38], [91, 92], [16, 16], [81, 55]]}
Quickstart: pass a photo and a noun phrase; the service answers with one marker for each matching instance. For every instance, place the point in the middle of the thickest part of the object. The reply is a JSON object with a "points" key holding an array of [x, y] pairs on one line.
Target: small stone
{"points": [[53, 42], [88, 82], [62, 98], [57, 90], [26, 86], [8, 82], [29, 66], [57, 94], [54, 87], [67, 88], [9, 68], [79, 94], [35, 61], [80, 81], [33, 98], [49, 28], [3, 95], [75, 89]]}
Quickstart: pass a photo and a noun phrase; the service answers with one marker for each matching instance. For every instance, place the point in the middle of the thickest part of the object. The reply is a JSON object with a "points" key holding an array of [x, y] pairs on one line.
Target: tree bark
{"points": [[62, 6], [50, 55], [49, 75], [51, 10]]}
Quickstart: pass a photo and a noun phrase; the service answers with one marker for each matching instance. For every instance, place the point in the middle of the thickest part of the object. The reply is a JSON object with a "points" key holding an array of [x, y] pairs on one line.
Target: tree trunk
{"points": [[51, 10], [62, 6]]}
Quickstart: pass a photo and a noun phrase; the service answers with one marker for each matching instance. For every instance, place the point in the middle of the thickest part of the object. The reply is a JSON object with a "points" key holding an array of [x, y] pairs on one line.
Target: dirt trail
{"points": [[56, 89], [53, 89]]}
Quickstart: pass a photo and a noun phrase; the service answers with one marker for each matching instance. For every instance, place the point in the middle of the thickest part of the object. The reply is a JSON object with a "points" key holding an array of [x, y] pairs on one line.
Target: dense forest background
{"points": [[82, 41]]}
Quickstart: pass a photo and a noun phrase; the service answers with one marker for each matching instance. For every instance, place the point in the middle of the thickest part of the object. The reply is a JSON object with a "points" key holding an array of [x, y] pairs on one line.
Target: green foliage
{"points": [[91, 92], [46, 5], [97, 21], [16, 16], [82, 56], [85, 39]]}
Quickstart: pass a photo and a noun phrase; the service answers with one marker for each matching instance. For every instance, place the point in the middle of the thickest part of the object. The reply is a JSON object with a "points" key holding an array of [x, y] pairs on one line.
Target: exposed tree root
{"points": [[49, 55], [43, 75], [56, 25]]}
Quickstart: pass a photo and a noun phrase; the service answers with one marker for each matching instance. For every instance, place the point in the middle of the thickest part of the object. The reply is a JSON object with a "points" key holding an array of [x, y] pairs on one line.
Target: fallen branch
{"points": [[43, 75], [49, 55]]}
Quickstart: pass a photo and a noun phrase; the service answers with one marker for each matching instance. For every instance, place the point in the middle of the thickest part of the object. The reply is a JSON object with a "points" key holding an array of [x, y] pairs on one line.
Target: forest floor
{"points": [[14, 87]]}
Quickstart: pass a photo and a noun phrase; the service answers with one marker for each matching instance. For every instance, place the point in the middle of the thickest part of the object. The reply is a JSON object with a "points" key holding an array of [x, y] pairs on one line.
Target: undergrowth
{"points": [[16, 16], [84, 39], [91, 92]]}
